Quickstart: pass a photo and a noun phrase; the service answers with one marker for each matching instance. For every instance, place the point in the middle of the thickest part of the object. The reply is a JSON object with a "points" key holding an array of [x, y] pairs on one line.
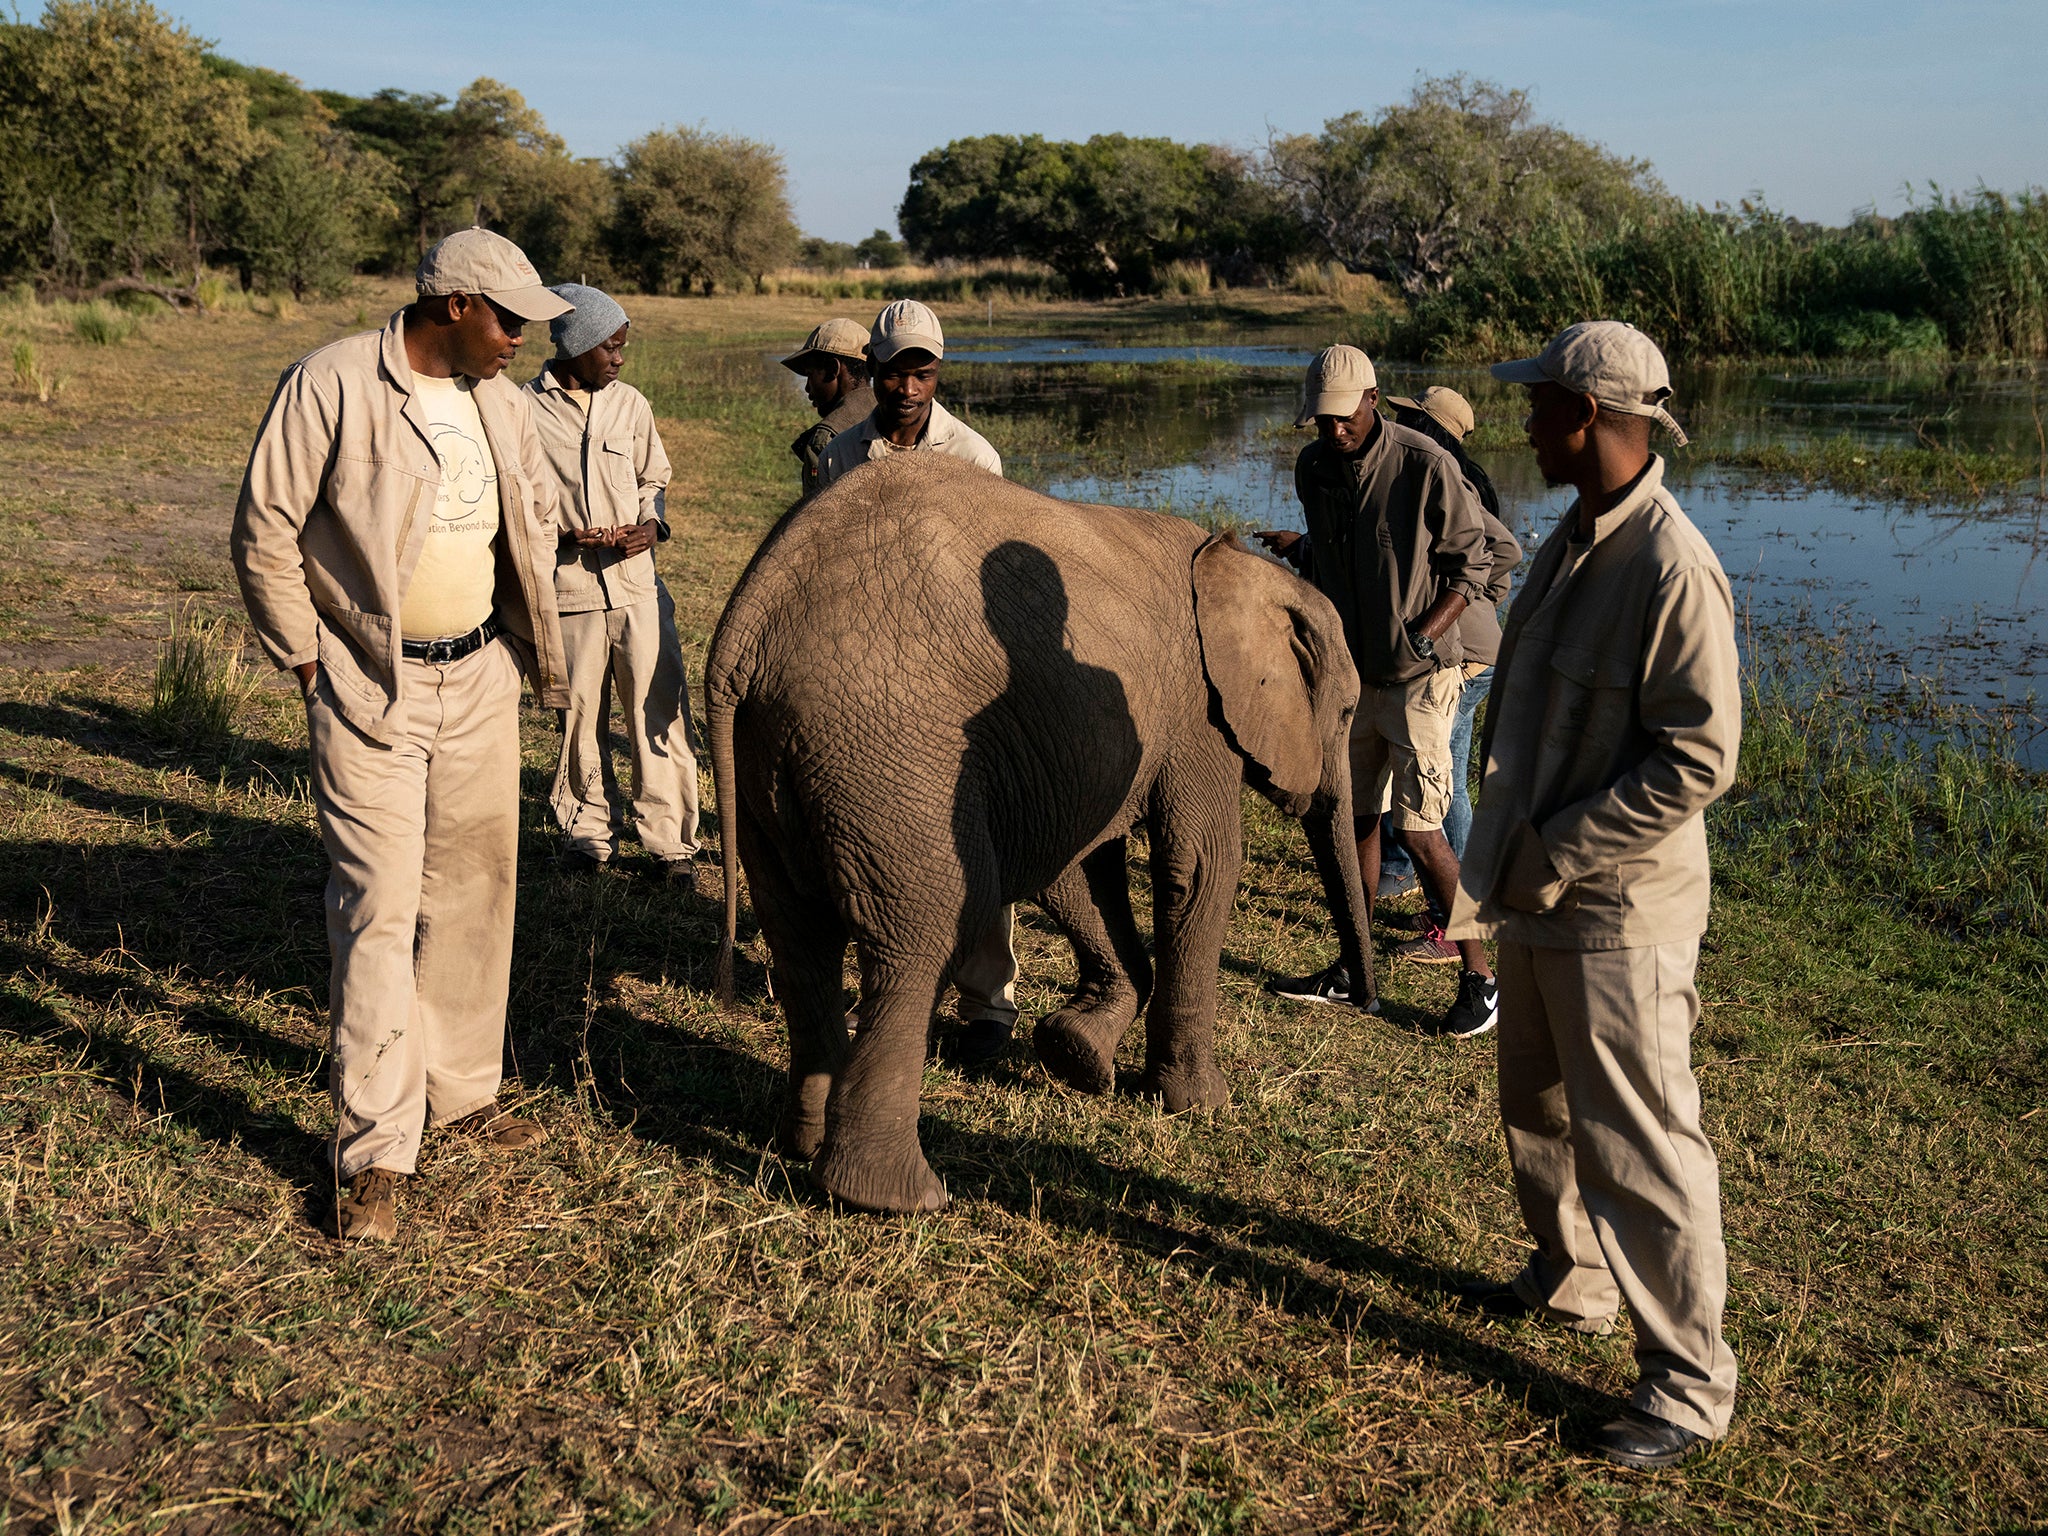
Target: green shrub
{"points": [[201, 682], [102, 325]]}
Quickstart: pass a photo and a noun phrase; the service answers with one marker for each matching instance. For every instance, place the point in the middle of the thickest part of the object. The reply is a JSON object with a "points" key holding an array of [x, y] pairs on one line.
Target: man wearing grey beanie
{"points": [[618, 622]]}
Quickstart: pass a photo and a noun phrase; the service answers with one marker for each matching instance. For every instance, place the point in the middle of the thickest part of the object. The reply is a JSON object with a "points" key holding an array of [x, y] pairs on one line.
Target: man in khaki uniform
{"points": [[834, 363], [904, 354], [395, 541], [1445, 417], [618, 622], [1614, 726], [1397, 542]]}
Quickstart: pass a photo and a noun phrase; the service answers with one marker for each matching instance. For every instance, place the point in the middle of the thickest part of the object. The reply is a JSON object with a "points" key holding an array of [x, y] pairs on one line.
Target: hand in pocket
{"points": [[1529, 882]]}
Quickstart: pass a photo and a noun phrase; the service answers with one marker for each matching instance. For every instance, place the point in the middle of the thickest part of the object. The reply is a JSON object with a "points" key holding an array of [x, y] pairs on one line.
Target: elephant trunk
{"points": [[1328, 825]]}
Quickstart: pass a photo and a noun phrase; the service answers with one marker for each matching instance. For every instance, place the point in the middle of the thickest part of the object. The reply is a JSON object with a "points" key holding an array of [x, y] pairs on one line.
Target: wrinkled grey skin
{"points": [[935, 693]]}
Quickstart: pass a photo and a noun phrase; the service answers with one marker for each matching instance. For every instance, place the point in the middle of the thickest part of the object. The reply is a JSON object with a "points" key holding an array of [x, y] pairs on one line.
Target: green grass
{"points": [[1891, 472], [1214, 1323]]}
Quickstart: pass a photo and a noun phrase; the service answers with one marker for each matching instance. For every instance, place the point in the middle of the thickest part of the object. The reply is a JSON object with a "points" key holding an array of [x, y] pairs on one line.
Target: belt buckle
{"points": [[440, 652]]}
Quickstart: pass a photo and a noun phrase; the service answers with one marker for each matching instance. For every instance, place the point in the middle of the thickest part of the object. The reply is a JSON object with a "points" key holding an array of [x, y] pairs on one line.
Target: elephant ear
{"points": [[1267, 638]]}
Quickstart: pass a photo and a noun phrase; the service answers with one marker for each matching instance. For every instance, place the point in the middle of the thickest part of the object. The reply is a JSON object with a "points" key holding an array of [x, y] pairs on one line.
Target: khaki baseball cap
{"points": [[477, 261], [835, 338], [1610, 360], [1442, 405], [1338, 378], [903, 325]]}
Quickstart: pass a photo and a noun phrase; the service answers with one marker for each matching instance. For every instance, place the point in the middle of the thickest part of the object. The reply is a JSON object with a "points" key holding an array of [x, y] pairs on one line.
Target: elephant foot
{"points": [[1074, 1054], [903, 1183], [798, 1138], [1179, 1090]]}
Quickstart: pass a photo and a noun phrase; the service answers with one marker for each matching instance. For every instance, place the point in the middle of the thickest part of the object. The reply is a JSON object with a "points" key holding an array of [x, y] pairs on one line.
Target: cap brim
{"points": [[531, 304], [900, 344], [1330, 404], [801, 362], [1406, 403], [1523, 370]]}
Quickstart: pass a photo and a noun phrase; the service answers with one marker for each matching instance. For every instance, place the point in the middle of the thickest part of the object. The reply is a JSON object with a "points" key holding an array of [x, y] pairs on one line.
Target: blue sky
{"points": [[1823, 105]]}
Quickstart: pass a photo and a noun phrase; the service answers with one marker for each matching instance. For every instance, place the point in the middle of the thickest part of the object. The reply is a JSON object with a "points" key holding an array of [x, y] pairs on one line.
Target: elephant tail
{"points": [[727, 787]]}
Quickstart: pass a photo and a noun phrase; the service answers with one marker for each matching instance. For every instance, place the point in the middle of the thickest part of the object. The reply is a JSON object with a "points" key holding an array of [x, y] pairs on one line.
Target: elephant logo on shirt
{"points": [[465, 478]]}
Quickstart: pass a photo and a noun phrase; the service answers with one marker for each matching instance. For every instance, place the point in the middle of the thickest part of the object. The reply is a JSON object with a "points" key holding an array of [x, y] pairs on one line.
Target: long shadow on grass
{"points": [[113, 729], [139, 1068]]}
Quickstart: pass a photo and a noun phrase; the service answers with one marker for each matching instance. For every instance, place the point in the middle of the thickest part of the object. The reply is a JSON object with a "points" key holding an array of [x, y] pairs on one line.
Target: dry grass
{"points": [[1125, 1322]]}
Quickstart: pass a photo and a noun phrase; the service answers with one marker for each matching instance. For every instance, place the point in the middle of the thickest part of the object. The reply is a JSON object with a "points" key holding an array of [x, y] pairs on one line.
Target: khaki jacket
{"points": [[333, 515], [1389, 533], [1479, 624], [610, 472], [943, 433], [810, 446], [1614, 722]]}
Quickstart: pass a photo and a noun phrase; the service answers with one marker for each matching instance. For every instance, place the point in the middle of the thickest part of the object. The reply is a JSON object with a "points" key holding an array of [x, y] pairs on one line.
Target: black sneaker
{"points": [[1332, 984], [1477, 1009]]}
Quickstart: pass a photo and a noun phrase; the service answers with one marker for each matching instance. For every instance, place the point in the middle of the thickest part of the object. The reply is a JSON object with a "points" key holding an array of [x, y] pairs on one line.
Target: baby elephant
{"points": [[935, 693]]}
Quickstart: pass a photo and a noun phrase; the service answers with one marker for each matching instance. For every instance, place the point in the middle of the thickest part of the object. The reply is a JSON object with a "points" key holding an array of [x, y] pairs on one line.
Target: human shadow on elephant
{"points": [[1011, 763]]}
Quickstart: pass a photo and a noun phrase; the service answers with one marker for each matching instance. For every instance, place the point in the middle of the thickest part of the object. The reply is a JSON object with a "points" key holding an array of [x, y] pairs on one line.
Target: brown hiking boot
{"points": [[367, 1211], [499, 1131]]}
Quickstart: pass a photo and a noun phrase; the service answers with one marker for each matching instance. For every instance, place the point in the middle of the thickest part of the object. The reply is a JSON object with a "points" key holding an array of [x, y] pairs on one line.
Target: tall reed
{"points": [[1961, 275]]}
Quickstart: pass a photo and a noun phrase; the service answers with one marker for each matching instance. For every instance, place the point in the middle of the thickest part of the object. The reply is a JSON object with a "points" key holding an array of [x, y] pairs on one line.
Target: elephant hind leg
{"points": [[1091, 903], [871, 1157], [807, 947]]}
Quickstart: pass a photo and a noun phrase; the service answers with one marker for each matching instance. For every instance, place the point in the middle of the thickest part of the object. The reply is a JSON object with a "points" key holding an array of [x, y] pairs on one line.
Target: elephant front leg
{"points": [[1091, 903], [871, 1157], [1197, 848]]}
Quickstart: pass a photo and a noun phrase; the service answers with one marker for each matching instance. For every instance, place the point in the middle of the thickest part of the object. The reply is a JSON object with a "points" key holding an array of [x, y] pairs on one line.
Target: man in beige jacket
{"points": [[395, 542], [1614, 725], [618, 622]]}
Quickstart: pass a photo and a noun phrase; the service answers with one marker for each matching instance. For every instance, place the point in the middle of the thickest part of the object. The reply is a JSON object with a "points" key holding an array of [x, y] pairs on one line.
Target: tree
{"points": [[697, 209], [822, 255], [1106, 215], [881, 249], [306, 206], [1451, 174], [116, 137], [559, 210]]}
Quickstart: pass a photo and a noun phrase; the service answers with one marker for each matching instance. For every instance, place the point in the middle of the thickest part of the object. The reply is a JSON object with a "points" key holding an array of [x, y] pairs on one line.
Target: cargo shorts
{"points": [[1401, 750]]}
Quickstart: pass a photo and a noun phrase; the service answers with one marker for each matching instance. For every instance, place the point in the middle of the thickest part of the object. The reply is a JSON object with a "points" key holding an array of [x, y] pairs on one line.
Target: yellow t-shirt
{"points": [[453, 583]]}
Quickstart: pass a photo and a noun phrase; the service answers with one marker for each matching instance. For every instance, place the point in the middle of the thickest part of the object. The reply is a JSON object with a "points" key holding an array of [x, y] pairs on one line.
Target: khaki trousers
{"points": [[634, 650], [987, 979], [1616, 1180], [422, 845]]}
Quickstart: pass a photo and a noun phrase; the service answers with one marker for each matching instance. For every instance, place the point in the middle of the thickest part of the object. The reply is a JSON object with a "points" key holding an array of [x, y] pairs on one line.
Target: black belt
{"points": [[452, 647]]}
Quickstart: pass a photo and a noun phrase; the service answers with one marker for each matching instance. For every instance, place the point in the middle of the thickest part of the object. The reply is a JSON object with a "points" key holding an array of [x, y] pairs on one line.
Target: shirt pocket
{"points": [[1591, 717], [622, 486]]}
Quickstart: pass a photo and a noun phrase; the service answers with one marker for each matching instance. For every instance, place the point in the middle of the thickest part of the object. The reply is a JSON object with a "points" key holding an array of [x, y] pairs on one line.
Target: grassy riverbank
{"points": [[1124, 1322]]}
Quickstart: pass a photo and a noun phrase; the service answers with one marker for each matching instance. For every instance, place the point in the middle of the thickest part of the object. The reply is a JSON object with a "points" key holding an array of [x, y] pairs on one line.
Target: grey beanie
{"points": [[596, 316]]}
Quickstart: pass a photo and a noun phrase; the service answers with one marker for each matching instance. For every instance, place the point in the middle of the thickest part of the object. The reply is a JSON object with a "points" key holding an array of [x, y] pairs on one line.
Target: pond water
{"points": [[1940, 600]]}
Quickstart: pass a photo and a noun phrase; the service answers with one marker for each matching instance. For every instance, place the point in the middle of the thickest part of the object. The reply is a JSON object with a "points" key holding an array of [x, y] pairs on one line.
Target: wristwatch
{"points": [[1424, 646]]}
